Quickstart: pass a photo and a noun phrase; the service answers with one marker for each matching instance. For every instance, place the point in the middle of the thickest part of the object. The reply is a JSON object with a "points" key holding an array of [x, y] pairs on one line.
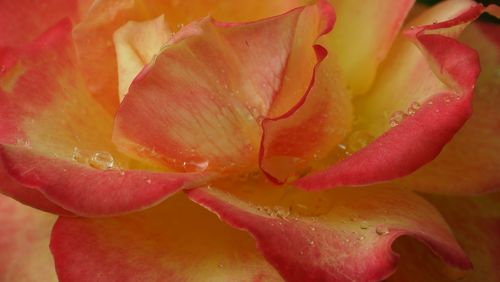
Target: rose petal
{"points": [[24, 240], [447, 71], [310, 113], [98, 59], [230, 72], [363, 34], [31, 197], [23, 20], [476, 223], [311, 128], [156, 245], [340, 235], [469, 164], [92, 192], [52, 129], [136, 43]]}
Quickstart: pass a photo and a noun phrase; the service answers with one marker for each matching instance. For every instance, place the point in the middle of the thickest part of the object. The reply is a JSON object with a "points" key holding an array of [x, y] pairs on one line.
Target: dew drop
{"points": [[342, 147], [77, 156], [281, 212], [193, 166], [413, 108], [396, 118], [23, 142], [364, 225], [101, 160], [382, 230], [358, 140], [311, 243]]}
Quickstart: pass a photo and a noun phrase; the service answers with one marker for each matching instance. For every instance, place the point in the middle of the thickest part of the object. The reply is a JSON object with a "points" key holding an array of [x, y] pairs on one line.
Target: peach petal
{"points": [[22, 21], [363, 35], [198, 105], [475, 221], [157, 245], [340, 235], [469, 163], [98, 59], [442, 76], [53, 136], [136, 44], [24, 240]]}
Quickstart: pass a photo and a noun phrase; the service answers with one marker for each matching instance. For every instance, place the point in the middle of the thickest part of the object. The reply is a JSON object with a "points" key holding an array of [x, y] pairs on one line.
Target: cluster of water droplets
{"points": [[100, 159], [397, 117]]}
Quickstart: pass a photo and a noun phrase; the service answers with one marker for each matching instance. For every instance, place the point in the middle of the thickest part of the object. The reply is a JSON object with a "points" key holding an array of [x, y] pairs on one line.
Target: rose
{"points": [[55, 156]]}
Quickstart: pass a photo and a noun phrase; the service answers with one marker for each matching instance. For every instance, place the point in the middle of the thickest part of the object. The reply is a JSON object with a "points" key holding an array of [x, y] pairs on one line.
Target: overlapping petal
{"points": [[199, 105], [475, 221], [136, 44], [469, 163], [24, 20], [364, 33], [94, 35], [340, 235], [24, 240], [157, 245], [55, 139], [435, 83]]}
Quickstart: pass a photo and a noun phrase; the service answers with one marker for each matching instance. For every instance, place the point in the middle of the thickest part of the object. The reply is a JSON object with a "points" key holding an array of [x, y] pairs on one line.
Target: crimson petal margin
{"points": [[92, 192], [318, 121], [174, 241], [198, 105], [475, 221], [469, 163], [350, 242], [419, 138], [51, 129]]}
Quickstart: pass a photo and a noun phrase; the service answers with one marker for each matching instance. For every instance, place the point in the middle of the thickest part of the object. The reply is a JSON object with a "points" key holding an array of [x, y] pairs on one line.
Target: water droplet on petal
{"points": [[77, 156], [413, 108], [23, 142], [364, 224], [358, 139], [396, 118], [193, 166], [101, 160], [382, 230]]}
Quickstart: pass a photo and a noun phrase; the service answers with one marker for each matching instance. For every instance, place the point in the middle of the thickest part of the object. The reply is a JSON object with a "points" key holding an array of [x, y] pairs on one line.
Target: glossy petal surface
{"points": [[363, 35], [51, 128], [440, 77], [98, 59], [157, 245], [309, 130], [469, 163], [342, 235], [136, 44], [198, 106], [24, 239], [475, 221], [22, 21]]}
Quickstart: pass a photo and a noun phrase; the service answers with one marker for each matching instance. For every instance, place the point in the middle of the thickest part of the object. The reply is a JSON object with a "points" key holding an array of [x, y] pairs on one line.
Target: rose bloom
{"points": [[205, 140]]}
